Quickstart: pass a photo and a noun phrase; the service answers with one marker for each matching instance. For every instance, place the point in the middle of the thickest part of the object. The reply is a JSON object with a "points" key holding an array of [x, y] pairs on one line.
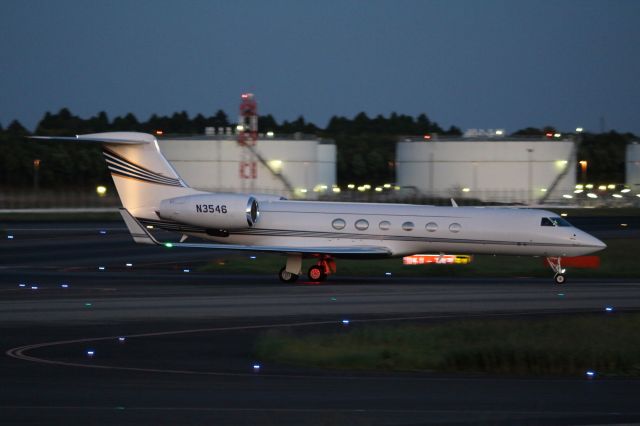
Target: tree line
{"points": [[365, 145]]}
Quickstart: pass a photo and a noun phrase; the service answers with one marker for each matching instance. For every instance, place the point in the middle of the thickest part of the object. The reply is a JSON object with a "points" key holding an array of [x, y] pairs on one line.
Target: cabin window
{"points": [[408, 226], [455, 227], [554, 221], [431, 227], [362, 225], [385, 225], [338, 224]]}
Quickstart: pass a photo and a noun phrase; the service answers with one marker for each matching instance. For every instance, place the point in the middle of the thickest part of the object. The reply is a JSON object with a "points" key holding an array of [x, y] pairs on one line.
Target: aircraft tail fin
{"points": [[142, 176]]}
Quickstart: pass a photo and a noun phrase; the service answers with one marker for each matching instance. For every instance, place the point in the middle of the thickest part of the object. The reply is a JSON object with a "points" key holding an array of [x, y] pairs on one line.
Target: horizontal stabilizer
{"points": [[118, 138]]}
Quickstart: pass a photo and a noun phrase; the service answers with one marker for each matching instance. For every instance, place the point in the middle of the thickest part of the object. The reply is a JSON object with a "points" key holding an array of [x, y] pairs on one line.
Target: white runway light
{"points": [[101, 268], [590, 374], [186, 270], [22, 285], [256, 368], [64, 285], [91, 353], [345, 322], [103, 232], [129, 265], [9, 237], [388, 274], [34, 287], [121, 339], [608, 309]]}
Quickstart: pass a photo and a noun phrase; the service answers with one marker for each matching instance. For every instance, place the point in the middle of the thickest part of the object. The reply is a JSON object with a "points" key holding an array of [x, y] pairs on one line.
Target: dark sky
{"points": [[475, 64]]}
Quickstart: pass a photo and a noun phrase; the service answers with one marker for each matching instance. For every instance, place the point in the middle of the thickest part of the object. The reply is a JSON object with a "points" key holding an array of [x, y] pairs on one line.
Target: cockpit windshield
{"points": [[554, 221]]}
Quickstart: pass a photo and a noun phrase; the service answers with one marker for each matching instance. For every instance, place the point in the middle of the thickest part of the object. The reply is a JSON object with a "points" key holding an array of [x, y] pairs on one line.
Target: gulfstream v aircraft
{"points": [[153, 195]]}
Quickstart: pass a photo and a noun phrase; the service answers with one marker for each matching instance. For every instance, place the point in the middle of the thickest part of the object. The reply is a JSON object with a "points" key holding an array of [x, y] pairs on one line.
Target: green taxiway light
{"points": [[168, 245]]}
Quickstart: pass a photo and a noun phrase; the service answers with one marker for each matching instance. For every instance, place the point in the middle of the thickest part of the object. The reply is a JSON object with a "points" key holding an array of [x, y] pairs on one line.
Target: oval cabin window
{"points": [[385, 225], [362, 225], [338, 224], [455, 227], [431, 227], [408, 226]]}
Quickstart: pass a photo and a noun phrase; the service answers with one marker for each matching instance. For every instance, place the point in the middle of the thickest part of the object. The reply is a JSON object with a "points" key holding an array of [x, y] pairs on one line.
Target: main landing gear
{"points": [[556, 266], [287, 277], [317, 273]]}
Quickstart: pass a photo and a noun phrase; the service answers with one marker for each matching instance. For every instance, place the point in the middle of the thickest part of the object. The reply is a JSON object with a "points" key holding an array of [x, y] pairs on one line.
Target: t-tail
{"points": [[141, 174]]}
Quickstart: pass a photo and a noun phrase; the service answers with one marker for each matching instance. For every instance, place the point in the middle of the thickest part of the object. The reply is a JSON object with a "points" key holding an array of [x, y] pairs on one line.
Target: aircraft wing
{"points": [[141, 235]]}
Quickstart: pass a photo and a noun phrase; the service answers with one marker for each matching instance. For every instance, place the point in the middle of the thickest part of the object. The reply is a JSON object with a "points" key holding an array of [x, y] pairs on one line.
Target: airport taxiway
{"points": [[187, 352]]}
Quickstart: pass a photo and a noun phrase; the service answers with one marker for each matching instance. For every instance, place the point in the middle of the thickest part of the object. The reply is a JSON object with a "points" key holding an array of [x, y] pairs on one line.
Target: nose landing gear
{"points": [[556, 267]]}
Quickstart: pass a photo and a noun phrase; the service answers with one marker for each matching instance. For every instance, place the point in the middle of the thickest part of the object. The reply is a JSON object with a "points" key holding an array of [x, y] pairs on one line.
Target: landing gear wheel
{"points": [[287, 277], [316, 273], [556, 266]]}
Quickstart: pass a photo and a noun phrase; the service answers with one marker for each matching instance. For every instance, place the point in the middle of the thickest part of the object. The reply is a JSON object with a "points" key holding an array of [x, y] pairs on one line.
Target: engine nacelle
{"points": [[212, 211]]}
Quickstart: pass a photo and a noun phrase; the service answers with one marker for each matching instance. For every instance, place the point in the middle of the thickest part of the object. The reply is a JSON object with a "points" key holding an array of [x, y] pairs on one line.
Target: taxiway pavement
{"points": [[187, 354]]}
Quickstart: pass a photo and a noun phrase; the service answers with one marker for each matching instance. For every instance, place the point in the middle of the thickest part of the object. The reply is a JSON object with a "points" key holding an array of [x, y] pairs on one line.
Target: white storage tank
{"points": [[633, 167], [288, 166], [522, 170]]}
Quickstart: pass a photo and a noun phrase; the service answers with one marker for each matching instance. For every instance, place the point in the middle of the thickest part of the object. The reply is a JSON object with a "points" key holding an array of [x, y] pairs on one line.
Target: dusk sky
{"points": [[473, 64]]}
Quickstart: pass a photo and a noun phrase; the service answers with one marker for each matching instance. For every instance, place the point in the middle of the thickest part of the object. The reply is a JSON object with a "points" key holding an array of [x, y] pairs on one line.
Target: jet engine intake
{"points": [[217, 211]]}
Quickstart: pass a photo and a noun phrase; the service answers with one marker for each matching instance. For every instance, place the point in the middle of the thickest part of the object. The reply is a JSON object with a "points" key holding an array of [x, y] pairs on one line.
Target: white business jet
{"points": [[154, 196]]}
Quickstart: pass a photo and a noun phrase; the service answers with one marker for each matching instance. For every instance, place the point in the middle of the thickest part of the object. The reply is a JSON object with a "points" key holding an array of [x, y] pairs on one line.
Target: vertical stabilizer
{"points": [[143, 177]]}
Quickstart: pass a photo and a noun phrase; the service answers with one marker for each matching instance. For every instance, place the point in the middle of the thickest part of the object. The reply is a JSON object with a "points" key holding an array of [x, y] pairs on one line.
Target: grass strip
{"points": [[561, 346], [619, 260]]}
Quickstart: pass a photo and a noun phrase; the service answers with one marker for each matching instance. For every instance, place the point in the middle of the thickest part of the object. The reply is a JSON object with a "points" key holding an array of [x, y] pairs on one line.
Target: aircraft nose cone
{"points": [[591, 242]]}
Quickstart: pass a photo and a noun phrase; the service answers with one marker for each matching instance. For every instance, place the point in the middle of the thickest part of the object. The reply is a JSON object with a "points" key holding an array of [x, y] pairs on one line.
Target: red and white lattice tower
{"points": [[247, 139]]}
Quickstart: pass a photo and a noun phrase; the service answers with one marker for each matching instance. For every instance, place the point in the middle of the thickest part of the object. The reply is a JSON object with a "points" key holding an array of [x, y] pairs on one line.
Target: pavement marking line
{"points": [[308, 410], [20, 352]]}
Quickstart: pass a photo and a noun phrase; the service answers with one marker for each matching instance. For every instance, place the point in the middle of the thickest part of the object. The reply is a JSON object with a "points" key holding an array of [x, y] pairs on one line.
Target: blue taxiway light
{"points": [[64, 285], [590, 374], [388, 274], [121, 339], [345, 322], [256, 367], [22, 285], [186, 270], [252, 257], [128, 265], [34, 287], [608, 309], [9, 237], [91, 353], [101, 268], [103, 232]]}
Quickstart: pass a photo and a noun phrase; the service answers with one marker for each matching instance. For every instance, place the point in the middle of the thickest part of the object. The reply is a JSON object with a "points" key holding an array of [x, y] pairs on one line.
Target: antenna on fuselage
{"points": [[453, 203]]}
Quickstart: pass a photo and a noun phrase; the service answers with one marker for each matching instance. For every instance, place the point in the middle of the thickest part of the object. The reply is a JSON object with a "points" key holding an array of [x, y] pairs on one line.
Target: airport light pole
{"points": [[530, 174], [36, 174]]}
